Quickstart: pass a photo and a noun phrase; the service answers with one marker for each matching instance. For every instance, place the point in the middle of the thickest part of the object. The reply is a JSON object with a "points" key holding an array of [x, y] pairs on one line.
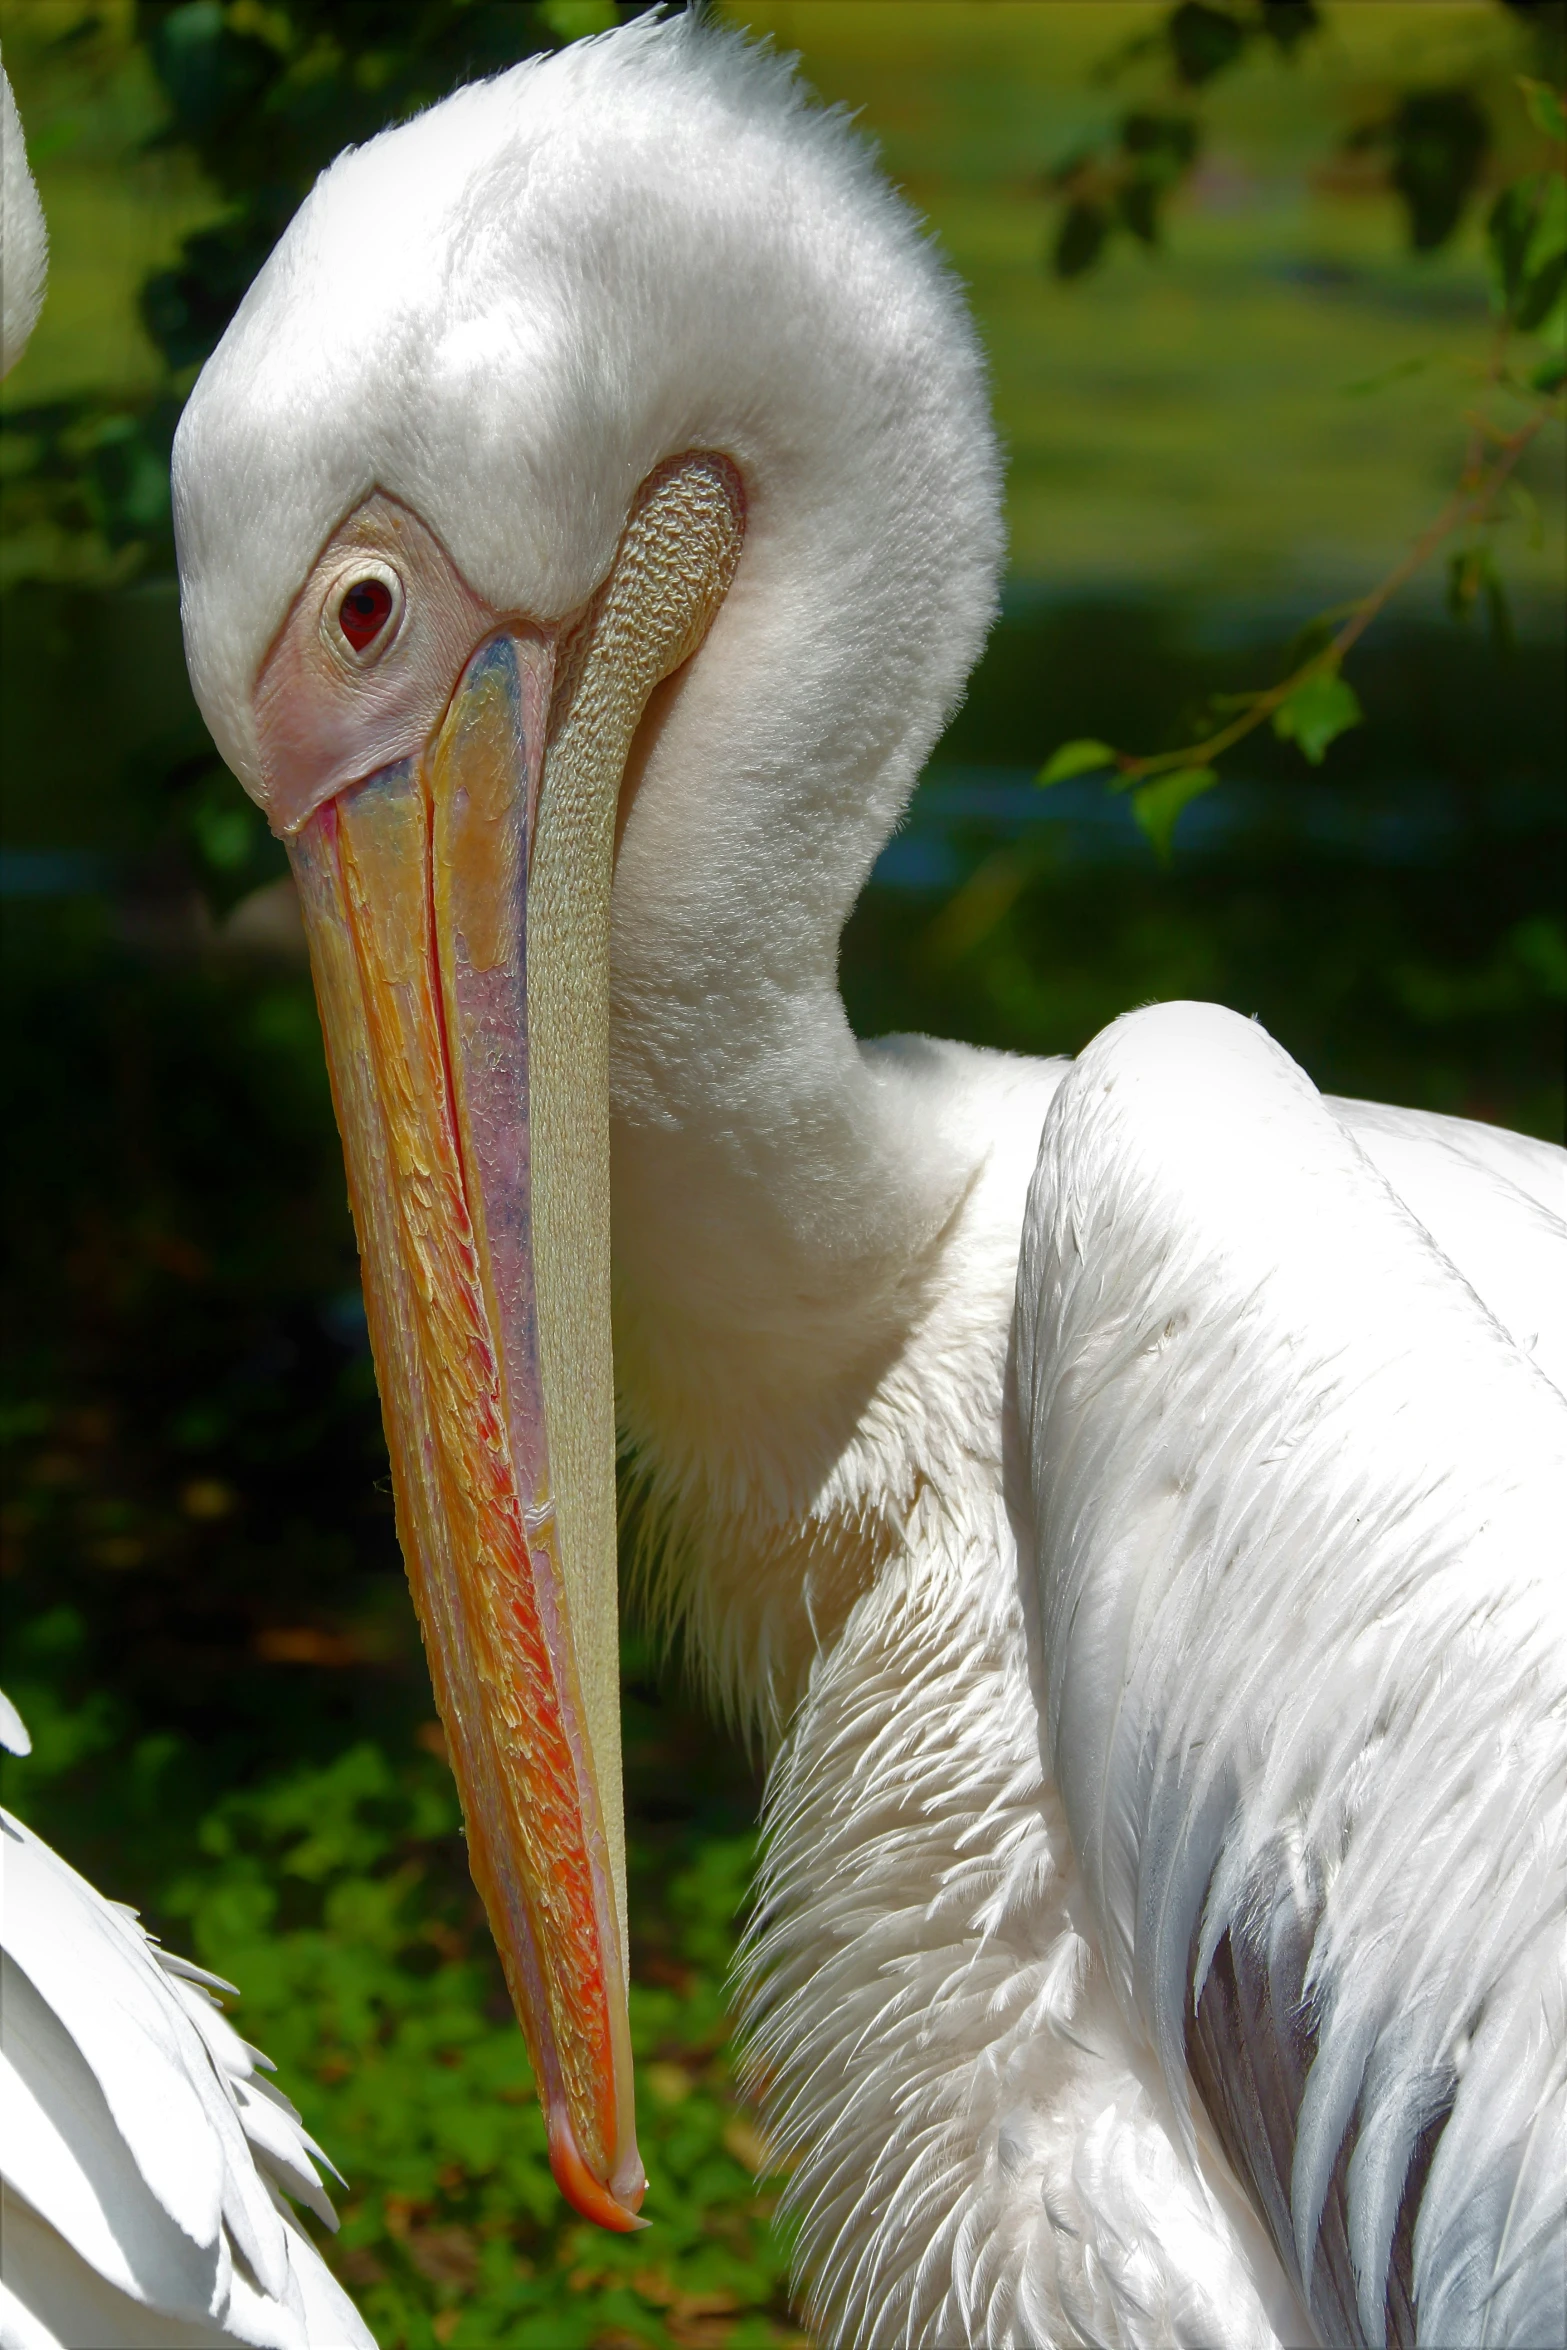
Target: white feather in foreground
{"points": [[24, 241], [144, 2160]]}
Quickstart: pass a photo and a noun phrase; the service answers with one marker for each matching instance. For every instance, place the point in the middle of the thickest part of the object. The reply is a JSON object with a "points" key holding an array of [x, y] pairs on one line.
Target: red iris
{"points": [[364, 612]]}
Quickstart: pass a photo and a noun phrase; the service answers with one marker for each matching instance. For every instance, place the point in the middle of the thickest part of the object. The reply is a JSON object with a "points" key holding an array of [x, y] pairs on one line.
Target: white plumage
{"points": [[144, 2160], [24, 241], [954, 1981], [1133, 1542], [1298, 1504]]}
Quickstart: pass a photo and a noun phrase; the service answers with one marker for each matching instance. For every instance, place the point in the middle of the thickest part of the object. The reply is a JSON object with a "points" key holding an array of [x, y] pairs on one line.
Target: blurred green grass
{"points": [[1179, 420], [205, 1615]]}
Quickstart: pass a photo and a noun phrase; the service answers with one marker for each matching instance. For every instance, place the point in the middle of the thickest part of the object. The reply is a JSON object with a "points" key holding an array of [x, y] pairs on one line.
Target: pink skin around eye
{"points": [[324, 723]]}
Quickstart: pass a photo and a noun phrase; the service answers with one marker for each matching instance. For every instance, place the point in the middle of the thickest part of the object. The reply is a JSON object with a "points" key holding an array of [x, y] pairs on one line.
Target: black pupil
{"points": [[364, 611]]}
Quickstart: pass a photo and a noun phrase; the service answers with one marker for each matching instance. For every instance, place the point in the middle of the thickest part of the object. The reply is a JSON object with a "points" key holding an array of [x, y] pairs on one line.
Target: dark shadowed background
{"points": [[1233, 361]]}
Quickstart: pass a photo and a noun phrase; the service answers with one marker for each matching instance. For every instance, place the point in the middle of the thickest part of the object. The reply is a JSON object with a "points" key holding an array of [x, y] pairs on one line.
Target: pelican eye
{"points": [[363, 612]]}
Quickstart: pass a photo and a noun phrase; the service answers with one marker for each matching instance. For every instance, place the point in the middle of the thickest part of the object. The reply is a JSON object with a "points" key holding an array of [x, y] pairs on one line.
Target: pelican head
{"points": [[584, 526]]}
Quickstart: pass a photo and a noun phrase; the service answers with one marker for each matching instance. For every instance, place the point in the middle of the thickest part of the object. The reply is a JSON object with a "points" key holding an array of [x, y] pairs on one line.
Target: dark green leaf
{"points": [[1316, 713], [1289, 22], [1156, 805], [1440, 139], [1083, 757], [1527, 233], [1545, 259], [1546, 110], [1203, 41], [1161, 145], [1137, 202], [1508, 230], [1540, 295], [1549, 239], [1080, 239], [212, 74]]}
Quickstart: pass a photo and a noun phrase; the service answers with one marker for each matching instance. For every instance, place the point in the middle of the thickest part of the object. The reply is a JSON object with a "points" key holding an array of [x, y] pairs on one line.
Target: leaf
{"points": [[1546, 110], [1203, 41], [1552, 330], [1316, 713], [1161, 145], [1440, 139], [1545, 261], [1507, 232], [1080, 239], [1541, 294], [1137, 201], [1156, 805], [1082, 757], [1527, 233], [1288, 22]]}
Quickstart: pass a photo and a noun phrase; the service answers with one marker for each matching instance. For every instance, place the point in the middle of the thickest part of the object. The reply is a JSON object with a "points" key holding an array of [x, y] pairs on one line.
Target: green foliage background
{"points": [[205, 1618]]}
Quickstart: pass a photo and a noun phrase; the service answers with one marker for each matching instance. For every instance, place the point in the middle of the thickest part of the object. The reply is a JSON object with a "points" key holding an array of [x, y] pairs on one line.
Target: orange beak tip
{"points": [[585, 2193]]}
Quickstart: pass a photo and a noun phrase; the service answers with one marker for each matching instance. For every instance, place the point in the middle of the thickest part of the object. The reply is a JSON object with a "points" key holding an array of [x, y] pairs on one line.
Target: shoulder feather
{"points": [[1297, 1499]]}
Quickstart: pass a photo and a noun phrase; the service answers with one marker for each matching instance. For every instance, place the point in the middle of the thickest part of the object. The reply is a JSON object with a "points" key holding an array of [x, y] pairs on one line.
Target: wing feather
{"points": [[1298, 1466], [143, 2158]]}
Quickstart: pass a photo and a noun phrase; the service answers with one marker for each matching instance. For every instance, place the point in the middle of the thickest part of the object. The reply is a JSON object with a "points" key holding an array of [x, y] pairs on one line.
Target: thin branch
{"points": [[1468, 504]]}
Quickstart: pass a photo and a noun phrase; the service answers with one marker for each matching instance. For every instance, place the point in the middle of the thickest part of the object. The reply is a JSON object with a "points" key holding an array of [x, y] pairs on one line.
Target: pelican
{"points": [[146, 2165], [1122, 1493]]}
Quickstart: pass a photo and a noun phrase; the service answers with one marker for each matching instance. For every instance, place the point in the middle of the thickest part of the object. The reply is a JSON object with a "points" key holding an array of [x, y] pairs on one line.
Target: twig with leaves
{"points": [[1314, 703]]}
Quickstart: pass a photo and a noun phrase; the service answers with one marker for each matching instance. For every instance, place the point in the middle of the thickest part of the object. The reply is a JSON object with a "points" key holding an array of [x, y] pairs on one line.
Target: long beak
{"points": [[458, 911], [415, 892]]}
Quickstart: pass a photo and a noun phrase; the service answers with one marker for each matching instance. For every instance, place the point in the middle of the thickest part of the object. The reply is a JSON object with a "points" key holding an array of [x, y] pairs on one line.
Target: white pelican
{"points": [[144, 2161], [1144, 1577]]}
